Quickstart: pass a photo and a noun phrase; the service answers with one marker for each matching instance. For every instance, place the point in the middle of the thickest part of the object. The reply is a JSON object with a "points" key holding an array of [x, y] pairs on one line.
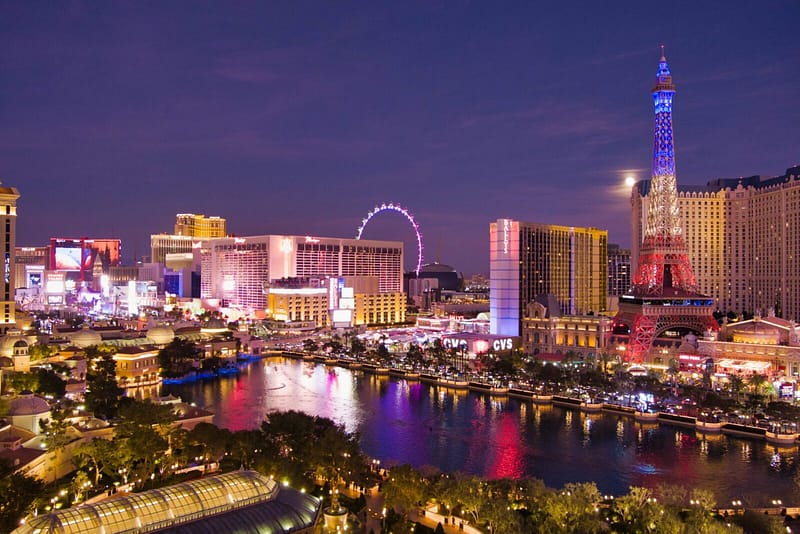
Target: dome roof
{"points": [[160, 335], [28, 404], [756, 332], [86, 337], [213, 325], [436, 268], [9, 342]]}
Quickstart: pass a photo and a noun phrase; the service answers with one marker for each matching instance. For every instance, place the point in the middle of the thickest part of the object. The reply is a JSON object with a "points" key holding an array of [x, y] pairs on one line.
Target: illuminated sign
{"points": [[503, 344], [505, 236], [239, 240], [286, 245], [691, 358], [310, 239], [454, 343]]}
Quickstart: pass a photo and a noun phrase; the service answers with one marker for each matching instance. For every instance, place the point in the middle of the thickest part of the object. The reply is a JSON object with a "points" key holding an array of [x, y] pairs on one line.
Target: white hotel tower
{"points": [[240, 270]]}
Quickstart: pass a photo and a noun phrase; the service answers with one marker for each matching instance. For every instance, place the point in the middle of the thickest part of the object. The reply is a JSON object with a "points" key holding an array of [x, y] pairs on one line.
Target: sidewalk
{"points": [[453, 526]]}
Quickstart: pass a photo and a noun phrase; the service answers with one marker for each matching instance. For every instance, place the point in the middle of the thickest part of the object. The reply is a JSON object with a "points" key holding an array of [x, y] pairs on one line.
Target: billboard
{"points": [[80, 255], [72, 259]]}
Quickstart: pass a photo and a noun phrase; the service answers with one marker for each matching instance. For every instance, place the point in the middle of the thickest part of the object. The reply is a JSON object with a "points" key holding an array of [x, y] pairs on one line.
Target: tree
{"points": [[246, 446], [405, 489], [414, 355], [18, 494], [736, 386], [573, 509], [143, 431], [334, 344], [497, 510], [310, 346], [80, 483], [100, 455], [212, 441], [357, 347], [383, 353], [176, 358], [103, 394], [49, 383], [756, 383], [19, 382], [40, 352]]}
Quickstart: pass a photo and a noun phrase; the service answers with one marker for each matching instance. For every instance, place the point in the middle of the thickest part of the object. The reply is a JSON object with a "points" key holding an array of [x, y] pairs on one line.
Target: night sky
{"points": [[298, 117]]}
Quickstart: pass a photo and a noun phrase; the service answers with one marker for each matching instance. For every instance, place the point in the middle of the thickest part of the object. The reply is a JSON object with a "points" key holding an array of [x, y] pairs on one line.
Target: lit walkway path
{"points": [[375, 506]]}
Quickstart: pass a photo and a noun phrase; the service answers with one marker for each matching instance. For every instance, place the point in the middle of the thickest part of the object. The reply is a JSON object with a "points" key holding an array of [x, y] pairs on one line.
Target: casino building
{"points": [[304, 278], [742, 236]]}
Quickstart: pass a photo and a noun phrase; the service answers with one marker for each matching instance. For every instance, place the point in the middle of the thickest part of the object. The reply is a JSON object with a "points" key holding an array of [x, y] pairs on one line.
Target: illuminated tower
{"points": [[664, 296]]}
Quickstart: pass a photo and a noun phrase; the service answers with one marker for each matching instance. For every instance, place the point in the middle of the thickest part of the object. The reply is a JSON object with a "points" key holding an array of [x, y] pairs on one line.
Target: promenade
{"points": [[375, 506]]}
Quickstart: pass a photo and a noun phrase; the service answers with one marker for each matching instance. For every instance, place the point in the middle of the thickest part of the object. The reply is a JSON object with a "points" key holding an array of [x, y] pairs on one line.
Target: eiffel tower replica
{"points": [[664, 294]]}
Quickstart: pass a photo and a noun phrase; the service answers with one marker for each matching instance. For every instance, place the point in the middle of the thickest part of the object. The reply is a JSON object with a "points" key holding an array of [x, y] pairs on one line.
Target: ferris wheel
{"points": [[405, 213]]}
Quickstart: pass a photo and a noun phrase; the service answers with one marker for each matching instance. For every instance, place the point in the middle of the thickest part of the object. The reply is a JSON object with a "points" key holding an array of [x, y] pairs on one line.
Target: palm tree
{"points": [[736, 386], [756, 383]]}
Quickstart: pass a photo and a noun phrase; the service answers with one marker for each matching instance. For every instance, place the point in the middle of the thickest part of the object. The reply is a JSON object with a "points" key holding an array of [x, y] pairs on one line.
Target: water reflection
{"points": [[457, 430]]}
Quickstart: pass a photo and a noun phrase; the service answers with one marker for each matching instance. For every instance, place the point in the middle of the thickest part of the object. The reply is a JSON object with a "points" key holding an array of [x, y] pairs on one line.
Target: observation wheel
{"points": [[405, 213]]}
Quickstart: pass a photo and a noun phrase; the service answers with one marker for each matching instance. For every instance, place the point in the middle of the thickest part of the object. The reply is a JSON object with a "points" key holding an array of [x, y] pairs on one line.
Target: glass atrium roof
{"points": [[260, 505]]}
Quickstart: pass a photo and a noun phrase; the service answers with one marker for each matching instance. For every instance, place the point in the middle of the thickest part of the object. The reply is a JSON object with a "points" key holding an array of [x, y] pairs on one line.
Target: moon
{"points": [[630, 181]]}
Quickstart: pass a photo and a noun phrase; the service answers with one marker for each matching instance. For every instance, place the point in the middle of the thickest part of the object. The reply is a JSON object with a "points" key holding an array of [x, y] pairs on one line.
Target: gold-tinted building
{"points": [[742, 236], [199, 226], [190, 231], [582, 334], [529, 260], [8, 209]]}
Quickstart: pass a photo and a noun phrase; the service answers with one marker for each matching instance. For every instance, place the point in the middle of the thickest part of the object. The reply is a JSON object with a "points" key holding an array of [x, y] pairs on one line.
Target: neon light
{"points": [[407, 215]]}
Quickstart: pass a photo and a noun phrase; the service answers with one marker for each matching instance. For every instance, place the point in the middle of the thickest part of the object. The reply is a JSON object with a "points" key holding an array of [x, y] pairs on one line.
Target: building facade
{"points": [[580, 334], [190, 230], [527, 260], [742, 236], [163, 244], [619, 270], [199, 226], [8, 209], [239, 271]]}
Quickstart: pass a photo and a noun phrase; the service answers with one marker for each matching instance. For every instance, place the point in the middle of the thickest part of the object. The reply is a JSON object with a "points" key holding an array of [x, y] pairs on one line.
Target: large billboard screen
{"points": [[81, 254], [67, 259]]}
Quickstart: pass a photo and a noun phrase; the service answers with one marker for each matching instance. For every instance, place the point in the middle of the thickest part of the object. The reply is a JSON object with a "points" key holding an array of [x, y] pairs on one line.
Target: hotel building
{"points": [[8, 208], [257, 273], [200, 226], [742, 237], [189, 230], [529, 260], [542, 332], [619, 270]]}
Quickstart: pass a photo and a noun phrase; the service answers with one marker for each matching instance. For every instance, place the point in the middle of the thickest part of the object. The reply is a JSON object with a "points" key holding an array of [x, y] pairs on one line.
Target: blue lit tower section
{"points": [[663, 260], [504, 270]]}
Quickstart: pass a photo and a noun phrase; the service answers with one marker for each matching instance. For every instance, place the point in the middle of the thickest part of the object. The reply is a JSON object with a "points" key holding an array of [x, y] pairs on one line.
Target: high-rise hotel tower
{"points": [[8, 242], [743, 238], [529, 260]]}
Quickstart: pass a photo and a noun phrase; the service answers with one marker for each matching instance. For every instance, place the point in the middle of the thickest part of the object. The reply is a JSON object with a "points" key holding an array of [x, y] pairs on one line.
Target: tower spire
{"points": [[664, 295]]}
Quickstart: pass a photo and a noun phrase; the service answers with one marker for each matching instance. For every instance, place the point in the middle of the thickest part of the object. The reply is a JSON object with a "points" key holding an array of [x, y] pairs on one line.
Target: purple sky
{"points": [[298, 117]]}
